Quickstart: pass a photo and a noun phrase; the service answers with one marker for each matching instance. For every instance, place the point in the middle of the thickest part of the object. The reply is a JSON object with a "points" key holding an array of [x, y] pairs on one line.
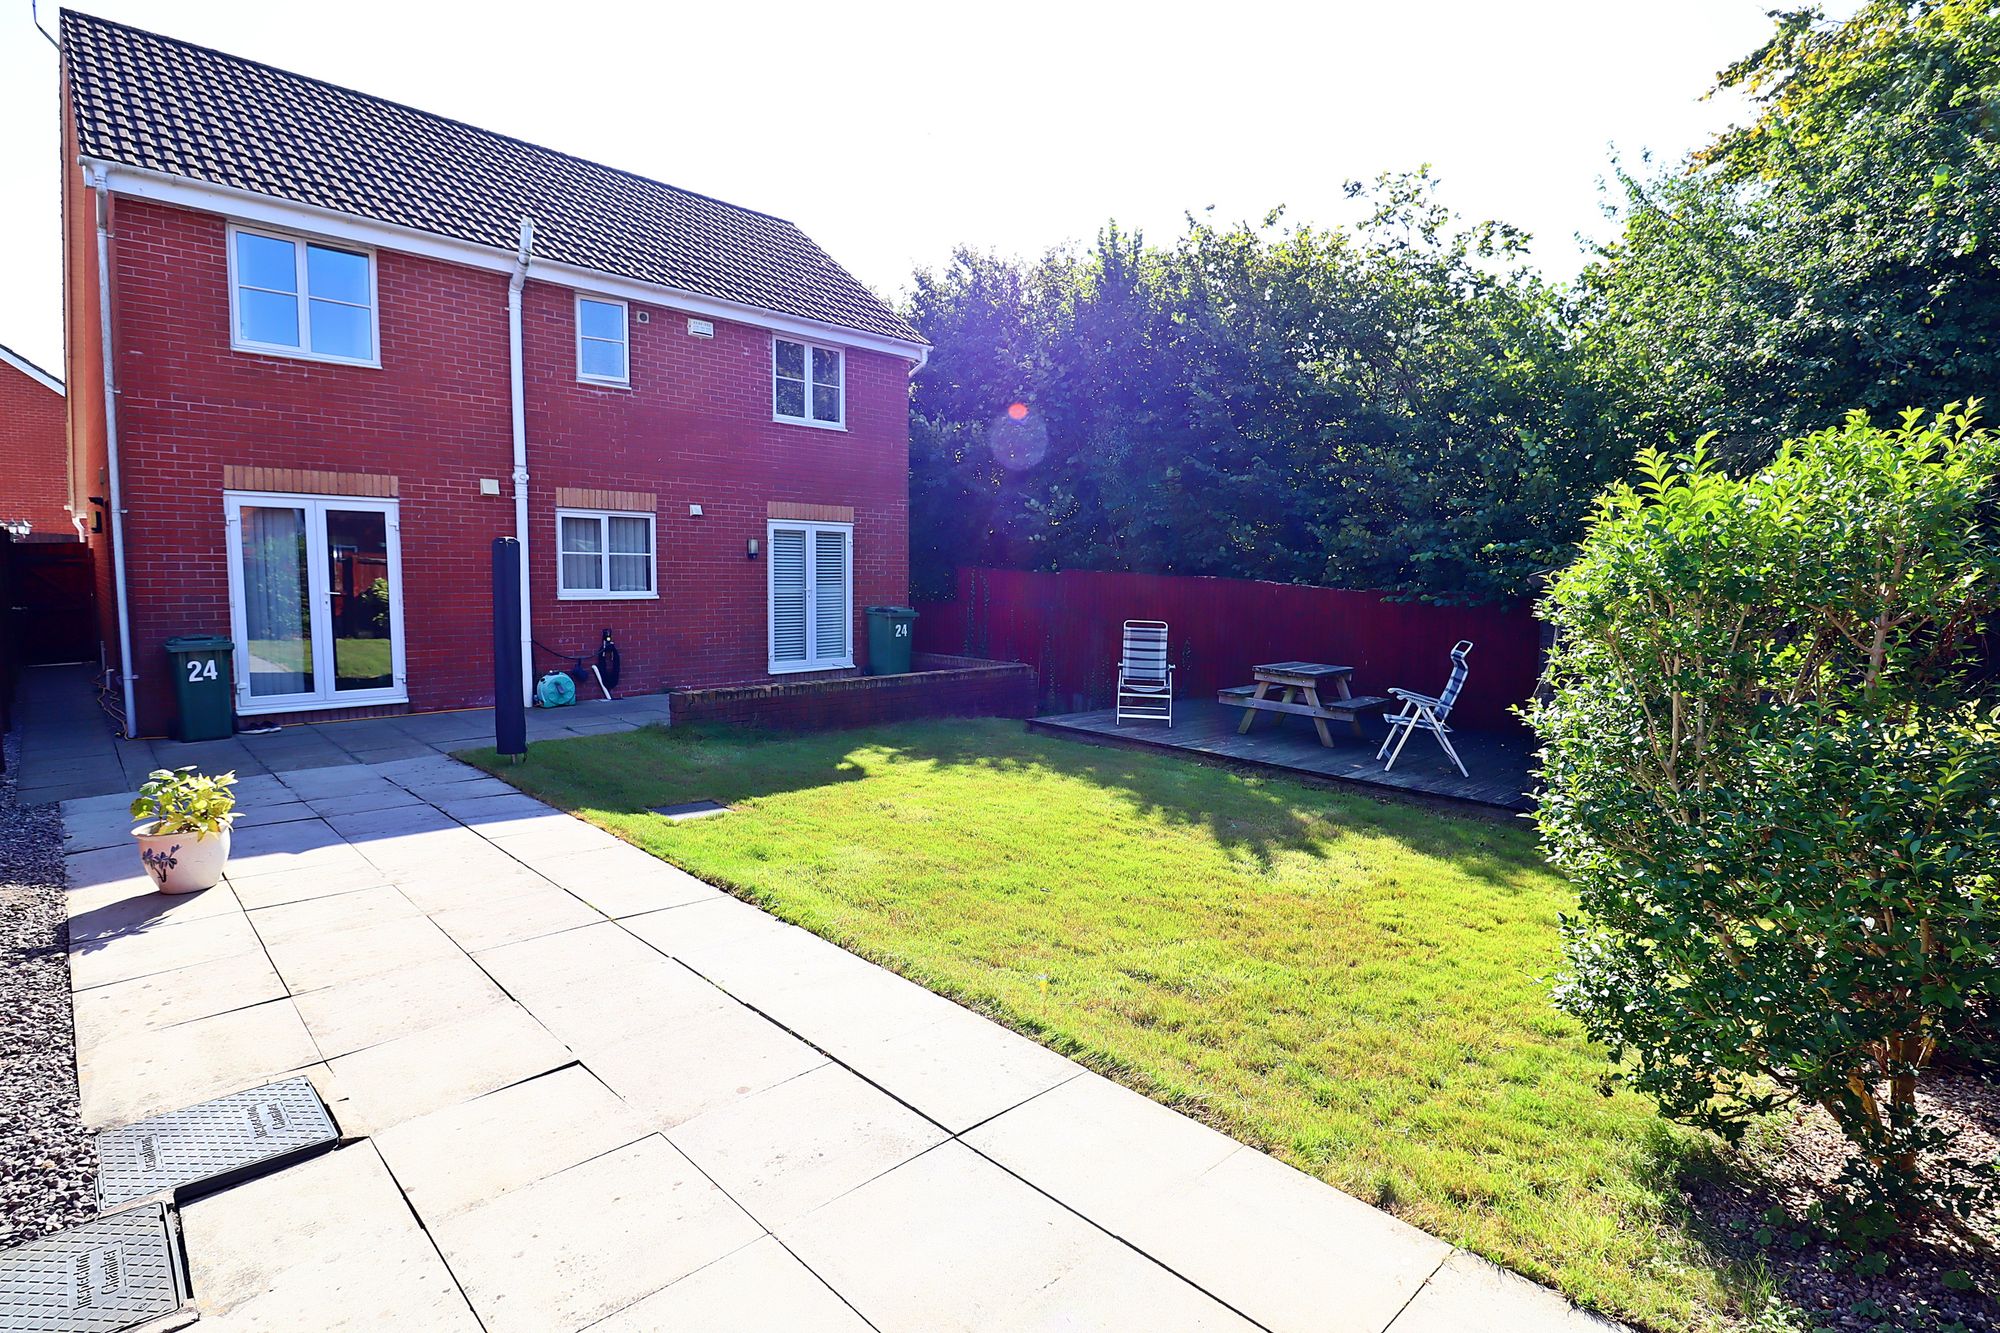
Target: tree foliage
{"points": [[1781, 816], [1398, 405], [1838, 251]]}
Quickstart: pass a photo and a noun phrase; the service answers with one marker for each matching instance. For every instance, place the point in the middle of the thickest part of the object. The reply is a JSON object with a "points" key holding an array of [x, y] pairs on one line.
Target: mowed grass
{"points": [[1361, 988]]}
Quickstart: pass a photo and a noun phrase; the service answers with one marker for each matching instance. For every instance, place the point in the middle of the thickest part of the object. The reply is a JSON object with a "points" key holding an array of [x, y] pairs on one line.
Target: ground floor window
{"points": [[811, 595], [600, 554], [316, 601]]}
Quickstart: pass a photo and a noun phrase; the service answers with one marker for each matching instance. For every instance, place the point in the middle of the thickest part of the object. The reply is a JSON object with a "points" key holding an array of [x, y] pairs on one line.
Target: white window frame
{"points": [[604, 593], [808, 419], [811, 663], [625, 317], [303, 352], [318, 581]]}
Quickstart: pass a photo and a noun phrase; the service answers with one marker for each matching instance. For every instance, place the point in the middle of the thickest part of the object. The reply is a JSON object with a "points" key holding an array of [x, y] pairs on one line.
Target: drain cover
{"points": [[691, 810], [212, 1144], [97, 1278]]}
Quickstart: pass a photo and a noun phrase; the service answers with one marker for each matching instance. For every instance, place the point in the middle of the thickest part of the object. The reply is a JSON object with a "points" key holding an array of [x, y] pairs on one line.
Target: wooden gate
{"points": [[51, 598]]}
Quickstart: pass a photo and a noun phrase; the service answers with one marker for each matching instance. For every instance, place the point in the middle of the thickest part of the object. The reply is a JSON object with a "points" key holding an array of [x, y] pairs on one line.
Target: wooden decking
{"points": [[1499, 762]]}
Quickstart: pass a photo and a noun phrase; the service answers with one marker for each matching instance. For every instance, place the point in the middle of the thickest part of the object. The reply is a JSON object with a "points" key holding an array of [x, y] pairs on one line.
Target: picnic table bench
{"points": [[1301, 681]]}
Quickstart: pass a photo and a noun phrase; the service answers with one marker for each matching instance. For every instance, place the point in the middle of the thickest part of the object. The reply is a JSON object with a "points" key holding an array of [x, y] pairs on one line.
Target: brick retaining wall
{"points": [[941, 686]]}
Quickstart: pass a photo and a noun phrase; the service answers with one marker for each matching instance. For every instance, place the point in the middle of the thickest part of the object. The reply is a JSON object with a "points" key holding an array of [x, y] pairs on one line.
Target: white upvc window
{"points": [[603, 555], [808, 384], [811, 576], [296, 296], [603, 342]]}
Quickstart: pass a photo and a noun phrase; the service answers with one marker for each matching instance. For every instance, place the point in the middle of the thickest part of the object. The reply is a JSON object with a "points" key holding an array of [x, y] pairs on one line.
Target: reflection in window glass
{"points": [[337, 318], [277, 600], [805, 382], [357, 543], [601, 352]]}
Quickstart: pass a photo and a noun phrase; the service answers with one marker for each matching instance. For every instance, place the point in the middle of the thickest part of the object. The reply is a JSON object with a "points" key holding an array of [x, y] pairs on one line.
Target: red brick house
{"points": [[34, 467], [351, 343]]}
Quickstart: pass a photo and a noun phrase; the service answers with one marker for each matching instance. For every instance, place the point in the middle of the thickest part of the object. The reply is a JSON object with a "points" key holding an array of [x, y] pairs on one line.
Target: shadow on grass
{"points": [[1256, 816]]}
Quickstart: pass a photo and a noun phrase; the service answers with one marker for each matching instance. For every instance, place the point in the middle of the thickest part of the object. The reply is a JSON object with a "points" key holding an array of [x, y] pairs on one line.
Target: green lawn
{"points": [[1359, 987]]}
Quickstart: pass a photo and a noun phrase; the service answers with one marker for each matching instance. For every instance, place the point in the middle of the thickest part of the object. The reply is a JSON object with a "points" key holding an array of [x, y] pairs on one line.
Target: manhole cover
{"points": [[97, 1278], [691, 810], [212, 1144]]}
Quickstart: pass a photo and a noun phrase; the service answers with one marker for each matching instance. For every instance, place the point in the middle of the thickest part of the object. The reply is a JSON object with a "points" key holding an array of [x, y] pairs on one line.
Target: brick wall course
{"points": [[34, 468]]}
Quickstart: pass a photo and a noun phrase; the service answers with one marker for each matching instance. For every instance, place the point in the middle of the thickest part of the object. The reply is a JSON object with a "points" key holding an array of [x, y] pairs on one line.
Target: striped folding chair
{"points": [[1145, 680], [1422, 712]]}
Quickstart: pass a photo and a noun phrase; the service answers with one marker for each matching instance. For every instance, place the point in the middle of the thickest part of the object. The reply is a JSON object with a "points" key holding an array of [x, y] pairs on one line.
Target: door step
{"points": [[113, 1273], [214, 1144]]}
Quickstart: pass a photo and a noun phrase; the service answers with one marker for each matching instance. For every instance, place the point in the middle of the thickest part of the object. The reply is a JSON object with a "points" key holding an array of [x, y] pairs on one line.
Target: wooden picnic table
{"points": [[1301, 681]]}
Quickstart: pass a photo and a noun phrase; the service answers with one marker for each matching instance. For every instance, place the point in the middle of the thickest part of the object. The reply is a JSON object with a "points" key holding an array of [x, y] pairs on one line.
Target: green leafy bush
{"points": [[1768, 776], [181, 800]]}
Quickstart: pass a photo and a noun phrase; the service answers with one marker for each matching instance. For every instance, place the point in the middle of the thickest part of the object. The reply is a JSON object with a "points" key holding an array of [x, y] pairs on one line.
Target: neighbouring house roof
{"points": [[8, 356], [168, 106]]}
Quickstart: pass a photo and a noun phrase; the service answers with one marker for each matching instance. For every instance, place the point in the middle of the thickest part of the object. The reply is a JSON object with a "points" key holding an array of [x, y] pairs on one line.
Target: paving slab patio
{"points": [[580, 1088]]}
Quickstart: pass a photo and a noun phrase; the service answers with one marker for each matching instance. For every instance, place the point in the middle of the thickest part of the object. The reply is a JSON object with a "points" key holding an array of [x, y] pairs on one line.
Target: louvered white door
{"points": [[829, 579], [811, 596]]}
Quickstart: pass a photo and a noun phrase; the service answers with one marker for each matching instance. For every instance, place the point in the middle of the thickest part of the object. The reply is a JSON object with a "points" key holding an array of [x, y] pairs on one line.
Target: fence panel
{"points": [[1067, 627]]}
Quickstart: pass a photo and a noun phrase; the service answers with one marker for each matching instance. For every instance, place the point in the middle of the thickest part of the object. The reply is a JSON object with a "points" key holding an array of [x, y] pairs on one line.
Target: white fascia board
{"points": [[249, 206], [33, 372]]}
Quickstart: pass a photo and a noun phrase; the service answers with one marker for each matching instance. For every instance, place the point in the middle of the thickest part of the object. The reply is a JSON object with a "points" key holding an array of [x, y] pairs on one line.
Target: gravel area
{"points": [[48, 1163], [1941, 1280]]}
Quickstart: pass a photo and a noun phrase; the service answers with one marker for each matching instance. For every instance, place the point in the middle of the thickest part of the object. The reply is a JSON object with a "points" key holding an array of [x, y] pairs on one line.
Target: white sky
{"points": [[892, 133]]}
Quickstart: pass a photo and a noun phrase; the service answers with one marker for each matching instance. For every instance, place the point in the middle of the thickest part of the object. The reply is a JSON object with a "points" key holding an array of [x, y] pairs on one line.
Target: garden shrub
{"points": [[1770, 773]]}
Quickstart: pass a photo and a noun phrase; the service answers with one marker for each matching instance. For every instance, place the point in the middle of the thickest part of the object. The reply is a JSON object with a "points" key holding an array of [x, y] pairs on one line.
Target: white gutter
{"points": [[251, 206], [518, 393], [96, 179]]}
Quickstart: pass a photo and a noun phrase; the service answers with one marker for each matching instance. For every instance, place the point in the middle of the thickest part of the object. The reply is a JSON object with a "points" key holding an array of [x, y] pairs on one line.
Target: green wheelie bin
{"points": [[203, 691], [890, 630]]}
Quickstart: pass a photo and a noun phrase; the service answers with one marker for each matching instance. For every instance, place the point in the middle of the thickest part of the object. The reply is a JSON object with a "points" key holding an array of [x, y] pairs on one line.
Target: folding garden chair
{"points": [[1421, 712], [1145, 681]]}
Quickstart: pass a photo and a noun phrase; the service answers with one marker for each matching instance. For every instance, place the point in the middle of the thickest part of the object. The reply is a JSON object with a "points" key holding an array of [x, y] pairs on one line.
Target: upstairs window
{"points": [[602, 555], [602, 354], [807, 383], [301, 297]]}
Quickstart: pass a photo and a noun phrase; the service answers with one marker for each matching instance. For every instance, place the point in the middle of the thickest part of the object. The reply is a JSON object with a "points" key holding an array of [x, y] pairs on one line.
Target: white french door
{"points": [[315, 601], [811, 582]]}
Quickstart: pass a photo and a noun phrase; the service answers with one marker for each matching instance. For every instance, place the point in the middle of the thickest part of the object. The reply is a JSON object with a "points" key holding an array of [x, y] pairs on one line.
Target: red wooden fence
{"points": [[1067, 627]]}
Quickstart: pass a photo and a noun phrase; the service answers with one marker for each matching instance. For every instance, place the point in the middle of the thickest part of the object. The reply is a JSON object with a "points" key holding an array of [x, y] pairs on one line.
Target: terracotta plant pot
{"points": [[183, 862]]}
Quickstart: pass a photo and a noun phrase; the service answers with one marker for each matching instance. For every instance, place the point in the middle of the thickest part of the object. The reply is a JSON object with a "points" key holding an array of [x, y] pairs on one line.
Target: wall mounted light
{"points": [[750, 550]]}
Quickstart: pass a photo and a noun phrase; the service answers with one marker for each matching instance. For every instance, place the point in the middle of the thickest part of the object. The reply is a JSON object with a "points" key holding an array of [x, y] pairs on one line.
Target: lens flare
{"points": [[1017, 439]]}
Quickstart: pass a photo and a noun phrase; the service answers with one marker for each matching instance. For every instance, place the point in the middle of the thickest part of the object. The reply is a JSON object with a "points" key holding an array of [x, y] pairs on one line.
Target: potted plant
{"points": [[184, 841]]}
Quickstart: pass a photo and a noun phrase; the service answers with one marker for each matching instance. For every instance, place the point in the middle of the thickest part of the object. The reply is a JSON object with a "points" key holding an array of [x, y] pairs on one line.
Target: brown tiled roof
{"points": [[152, 102]]}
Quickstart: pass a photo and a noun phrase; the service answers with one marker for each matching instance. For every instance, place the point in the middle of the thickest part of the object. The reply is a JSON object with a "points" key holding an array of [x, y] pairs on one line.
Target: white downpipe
{"points": [[95, 177], [520, 403]]}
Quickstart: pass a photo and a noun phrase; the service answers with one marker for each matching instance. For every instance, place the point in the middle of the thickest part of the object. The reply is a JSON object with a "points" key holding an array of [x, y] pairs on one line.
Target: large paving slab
{"points": [[760, 1288], [569, 1249], [326, 1245], [472, 1152], [440, 1066], [803, 1143], [580, 1088], [131, 1076], [1276, 1244], [951, 1242]]}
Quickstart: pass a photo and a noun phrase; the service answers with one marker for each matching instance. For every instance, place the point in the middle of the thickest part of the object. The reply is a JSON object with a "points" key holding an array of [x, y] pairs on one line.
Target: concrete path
{"points": [[579, 1088], [69, 749]]}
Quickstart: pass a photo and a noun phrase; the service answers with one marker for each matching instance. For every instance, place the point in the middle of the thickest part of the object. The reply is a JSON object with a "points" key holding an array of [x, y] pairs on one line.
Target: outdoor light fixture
{"points": [[750, 550]]}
